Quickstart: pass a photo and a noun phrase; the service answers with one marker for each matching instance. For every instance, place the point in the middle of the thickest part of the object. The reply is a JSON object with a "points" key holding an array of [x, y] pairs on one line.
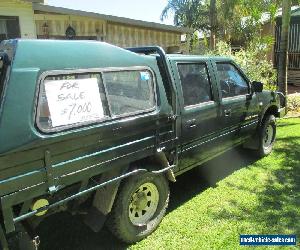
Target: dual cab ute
{"points": [[90, 128]]}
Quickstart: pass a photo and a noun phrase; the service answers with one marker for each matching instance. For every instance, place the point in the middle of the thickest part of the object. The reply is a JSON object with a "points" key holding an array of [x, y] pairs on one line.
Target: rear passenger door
{"points": [[199, 111], [239, 107]]}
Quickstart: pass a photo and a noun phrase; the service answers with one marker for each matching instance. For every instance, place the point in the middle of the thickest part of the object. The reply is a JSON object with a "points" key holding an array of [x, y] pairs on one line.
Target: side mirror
{"points": [[257, 86]]}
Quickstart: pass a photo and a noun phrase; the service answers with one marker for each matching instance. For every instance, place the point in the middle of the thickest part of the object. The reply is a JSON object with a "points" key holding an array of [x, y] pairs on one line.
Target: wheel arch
{"points": [[270, 110], [253, 142]]}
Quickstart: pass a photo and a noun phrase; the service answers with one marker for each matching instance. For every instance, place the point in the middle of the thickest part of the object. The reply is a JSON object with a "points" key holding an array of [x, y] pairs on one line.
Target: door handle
{"points": [[227, 112], [191, 123]]}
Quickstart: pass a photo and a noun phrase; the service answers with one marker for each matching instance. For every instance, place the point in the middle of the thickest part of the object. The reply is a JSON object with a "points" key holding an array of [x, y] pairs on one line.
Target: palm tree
{"points": [[185, 12], [193, 14]]}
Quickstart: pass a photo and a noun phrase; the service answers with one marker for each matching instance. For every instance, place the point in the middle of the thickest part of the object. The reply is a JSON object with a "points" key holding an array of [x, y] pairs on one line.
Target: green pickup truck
{"points": [[91, 128]]}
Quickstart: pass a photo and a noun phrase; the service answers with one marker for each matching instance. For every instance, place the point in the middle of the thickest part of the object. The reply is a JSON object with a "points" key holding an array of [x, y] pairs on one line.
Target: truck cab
{"points": [[218, 107]]}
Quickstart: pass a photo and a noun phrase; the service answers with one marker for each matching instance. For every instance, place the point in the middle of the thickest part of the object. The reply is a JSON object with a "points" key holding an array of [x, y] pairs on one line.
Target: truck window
{"points": [[195, 83], [129, 91], [77, 99], [231, 81], [71, 100]]}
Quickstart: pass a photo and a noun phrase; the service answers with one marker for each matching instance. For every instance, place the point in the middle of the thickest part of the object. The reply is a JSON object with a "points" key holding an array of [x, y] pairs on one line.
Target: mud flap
{"points": [[95, 219], [103, 200]]}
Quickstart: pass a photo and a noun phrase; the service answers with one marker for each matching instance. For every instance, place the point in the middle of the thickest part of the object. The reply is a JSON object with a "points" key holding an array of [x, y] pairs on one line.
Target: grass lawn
{"points": [[236, 194]]}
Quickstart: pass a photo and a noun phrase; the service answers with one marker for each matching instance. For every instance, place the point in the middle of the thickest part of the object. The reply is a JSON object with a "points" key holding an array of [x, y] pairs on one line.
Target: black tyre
{"points": [[139, 207], [267, 135]]}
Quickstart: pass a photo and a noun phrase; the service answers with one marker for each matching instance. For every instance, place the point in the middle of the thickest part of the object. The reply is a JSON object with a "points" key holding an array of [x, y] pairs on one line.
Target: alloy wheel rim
{"points": [[143, 203]]}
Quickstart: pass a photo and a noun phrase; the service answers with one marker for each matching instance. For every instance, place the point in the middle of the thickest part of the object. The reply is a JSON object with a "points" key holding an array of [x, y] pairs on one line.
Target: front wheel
{"points": [[267, 134], [139, 207]]}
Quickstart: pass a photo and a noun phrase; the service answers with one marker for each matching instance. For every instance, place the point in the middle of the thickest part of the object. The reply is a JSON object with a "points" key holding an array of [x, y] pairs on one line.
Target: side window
{"points": [[129, 91], [231, 81], [71, 100], [195, 83], [76, 99]]}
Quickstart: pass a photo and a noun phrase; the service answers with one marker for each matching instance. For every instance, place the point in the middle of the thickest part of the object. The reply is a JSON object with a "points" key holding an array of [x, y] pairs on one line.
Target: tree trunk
{"points": [[283, 48], [213, 22]]}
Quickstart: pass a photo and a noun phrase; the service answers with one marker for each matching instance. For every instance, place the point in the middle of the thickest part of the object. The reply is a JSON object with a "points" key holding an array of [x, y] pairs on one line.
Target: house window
{"points": [[9, 27]]}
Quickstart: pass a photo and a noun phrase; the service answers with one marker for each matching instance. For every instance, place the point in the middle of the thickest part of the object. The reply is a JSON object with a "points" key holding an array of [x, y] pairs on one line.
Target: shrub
{"points": [[293, 103]]}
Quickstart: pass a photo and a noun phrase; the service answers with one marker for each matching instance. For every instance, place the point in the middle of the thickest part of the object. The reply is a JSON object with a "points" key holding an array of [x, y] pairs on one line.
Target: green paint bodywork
{"points": [[35, 164]]}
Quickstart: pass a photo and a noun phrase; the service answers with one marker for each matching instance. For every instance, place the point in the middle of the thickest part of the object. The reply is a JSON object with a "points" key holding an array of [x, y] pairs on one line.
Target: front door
{"points": [[199, 112], [239, 107]]}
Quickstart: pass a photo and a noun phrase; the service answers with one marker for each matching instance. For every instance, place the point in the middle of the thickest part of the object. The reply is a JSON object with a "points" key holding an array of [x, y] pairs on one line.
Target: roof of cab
{"points": [[65, 54]]}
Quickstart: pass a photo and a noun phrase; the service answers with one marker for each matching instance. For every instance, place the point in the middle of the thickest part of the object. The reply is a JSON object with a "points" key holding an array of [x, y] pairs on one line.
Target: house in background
{"points": [[35, 19], [273, 29], [293, 47]]}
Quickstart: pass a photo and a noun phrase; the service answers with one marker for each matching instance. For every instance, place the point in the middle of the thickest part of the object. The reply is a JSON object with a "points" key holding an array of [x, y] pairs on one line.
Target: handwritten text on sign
{"points": [[74, 101]]}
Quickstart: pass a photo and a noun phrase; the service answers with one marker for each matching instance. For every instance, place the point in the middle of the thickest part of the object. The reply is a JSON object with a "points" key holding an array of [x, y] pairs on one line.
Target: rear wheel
{"points": [[267, 134], [139, 207]]}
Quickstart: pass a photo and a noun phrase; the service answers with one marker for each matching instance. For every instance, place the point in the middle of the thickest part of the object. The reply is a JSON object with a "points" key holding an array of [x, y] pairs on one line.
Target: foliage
{"points": [[242, 19], [237, 21], [293, 104], [187, 13], [252, 60]]}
